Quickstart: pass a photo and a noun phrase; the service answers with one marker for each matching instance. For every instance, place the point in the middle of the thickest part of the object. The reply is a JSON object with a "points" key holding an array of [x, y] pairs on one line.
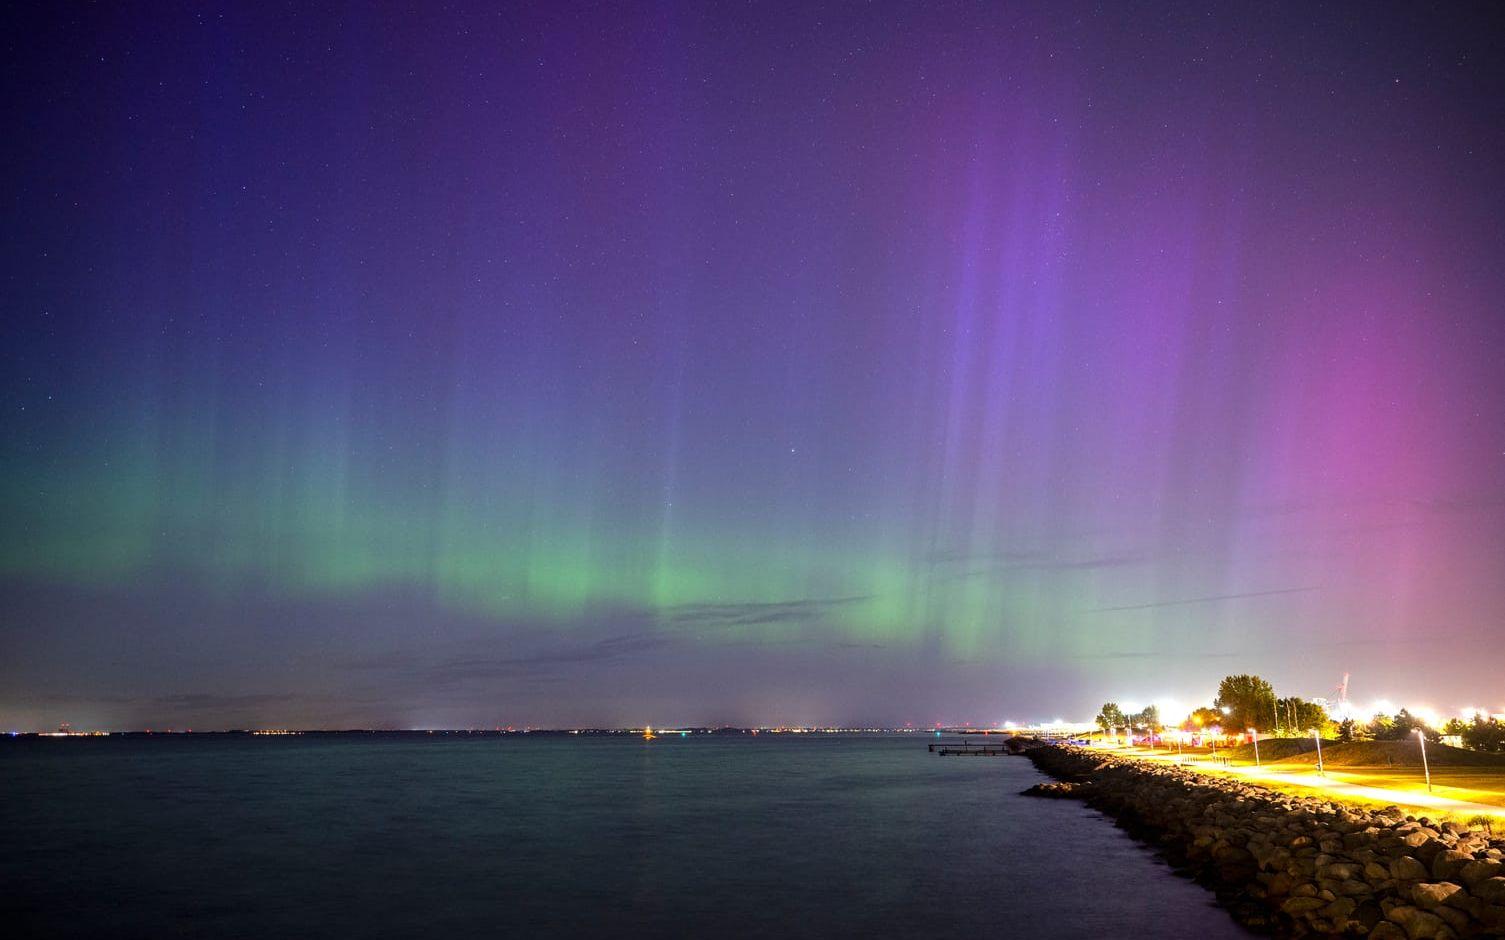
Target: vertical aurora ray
{"points": [[736, 366]]}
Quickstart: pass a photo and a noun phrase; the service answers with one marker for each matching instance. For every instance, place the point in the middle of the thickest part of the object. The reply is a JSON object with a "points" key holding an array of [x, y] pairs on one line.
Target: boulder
{"points": [[1474, 872], [1277, 885], [1430, 849], [1058, 791], [1447, 866], [1298, 906], [1421, 925], [1490, 915], [1367, 914], [1455, 919], [1429, 895], [1490, 890], [1407, 868]]}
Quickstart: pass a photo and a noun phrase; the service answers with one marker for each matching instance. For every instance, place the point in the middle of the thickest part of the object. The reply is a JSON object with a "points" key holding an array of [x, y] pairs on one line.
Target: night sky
{"points": [[728, 363]]}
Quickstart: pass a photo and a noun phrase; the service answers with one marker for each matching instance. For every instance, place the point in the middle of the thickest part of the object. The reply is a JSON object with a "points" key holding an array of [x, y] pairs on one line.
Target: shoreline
{"points": [[1293, 865]]}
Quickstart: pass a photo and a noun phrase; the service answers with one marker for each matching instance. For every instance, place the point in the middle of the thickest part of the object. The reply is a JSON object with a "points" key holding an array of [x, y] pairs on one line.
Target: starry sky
{"points": [[568, 364]]}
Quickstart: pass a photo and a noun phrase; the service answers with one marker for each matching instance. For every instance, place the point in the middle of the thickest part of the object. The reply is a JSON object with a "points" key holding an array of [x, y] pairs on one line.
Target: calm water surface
{"points": [[378, 836]]}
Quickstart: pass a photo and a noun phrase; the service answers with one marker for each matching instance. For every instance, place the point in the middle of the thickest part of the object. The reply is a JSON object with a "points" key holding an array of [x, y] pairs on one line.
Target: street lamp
{"points": [[1422, 738], [1255, 735], [1317, 736]]}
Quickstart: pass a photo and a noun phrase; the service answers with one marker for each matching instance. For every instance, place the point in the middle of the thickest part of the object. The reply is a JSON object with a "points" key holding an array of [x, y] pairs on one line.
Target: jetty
{"points": [[959, 748]]}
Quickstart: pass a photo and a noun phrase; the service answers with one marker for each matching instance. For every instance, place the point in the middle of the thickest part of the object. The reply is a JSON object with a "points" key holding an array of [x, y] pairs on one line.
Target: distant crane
{"points": [[1343, 696]]}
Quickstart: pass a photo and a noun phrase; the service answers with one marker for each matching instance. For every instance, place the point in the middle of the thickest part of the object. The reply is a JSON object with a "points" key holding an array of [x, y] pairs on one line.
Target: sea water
{"points": [[809, 835]]}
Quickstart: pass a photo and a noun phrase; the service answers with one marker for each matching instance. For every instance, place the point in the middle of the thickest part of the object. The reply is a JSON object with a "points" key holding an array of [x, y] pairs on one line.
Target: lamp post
{"points": [[1317, 736], [1422, 738], [1255, 734]]}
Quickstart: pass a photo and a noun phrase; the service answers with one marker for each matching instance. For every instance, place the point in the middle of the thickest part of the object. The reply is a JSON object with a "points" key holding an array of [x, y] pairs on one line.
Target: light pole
{"points": [[1255, 735], [1422, 738], [1317, 736]]}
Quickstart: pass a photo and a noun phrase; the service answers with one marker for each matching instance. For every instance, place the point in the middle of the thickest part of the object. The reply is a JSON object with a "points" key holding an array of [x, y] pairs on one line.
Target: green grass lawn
{"points": [[1476, 778], [1474, 784]]}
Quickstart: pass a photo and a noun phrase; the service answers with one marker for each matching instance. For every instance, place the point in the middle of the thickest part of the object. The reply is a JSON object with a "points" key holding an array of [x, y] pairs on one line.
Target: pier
{"points": [[958, 748]]}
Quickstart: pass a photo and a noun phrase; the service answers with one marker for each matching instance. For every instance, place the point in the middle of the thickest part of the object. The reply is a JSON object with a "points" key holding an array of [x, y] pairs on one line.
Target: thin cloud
{"points": [[211, 700], [1211, 599], [747, 614], [1035, 561], [532, 664], [1146, 654]]}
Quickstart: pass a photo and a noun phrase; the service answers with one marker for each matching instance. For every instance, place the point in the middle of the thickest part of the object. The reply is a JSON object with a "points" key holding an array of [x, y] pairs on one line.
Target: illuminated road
{"points": [[1332, 784]]}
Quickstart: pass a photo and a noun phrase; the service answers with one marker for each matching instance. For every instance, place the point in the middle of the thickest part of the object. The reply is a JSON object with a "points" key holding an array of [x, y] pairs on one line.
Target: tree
{"points": [[1111, 717], [1455, 726], [1301, 717], [1360, 730], [1203, 718], [1147, 719], [1346, 730], [1404, 725], [1485, 735], [1247, 701]]}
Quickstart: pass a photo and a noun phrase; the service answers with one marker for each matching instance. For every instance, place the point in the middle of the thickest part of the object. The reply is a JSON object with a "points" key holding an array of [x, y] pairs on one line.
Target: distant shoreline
{"points": [[473, 732]]}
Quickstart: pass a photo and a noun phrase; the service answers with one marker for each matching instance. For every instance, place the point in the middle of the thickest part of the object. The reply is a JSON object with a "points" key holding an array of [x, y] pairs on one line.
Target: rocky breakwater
{"points": [[1294, 865]]}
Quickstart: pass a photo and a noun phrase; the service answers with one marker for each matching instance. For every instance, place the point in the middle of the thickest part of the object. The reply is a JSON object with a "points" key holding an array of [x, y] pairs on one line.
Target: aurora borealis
{"points": [[698, 363]]}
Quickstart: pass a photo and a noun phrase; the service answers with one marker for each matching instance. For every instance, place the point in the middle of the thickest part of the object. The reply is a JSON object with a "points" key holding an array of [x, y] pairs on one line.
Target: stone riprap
{"points": [[1297, 866]]}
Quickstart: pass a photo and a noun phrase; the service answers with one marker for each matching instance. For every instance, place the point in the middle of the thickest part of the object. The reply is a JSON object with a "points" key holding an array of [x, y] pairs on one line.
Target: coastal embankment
{"points": [[1293, 865]]}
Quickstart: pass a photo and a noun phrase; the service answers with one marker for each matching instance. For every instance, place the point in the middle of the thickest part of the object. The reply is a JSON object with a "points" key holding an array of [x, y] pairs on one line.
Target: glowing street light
{"points": [[1255, 735], [1317, 736], [1422, 738]]}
